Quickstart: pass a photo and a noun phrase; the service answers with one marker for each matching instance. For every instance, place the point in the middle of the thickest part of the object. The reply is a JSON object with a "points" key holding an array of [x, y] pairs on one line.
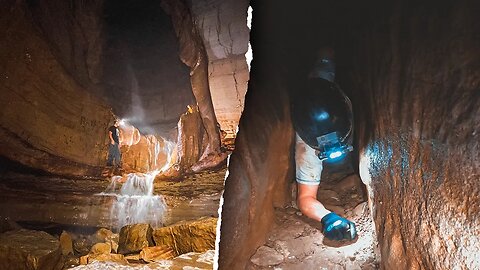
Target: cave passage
{"points": [[411, 71], [145, 81]]}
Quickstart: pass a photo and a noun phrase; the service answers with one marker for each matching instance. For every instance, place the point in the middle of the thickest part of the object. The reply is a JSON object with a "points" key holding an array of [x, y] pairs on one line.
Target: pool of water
{"points": [[79, 203]]}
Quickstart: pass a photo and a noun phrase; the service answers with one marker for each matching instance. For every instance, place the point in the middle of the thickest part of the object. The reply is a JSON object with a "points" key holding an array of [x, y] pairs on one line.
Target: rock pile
{"points": [[137, 243]]}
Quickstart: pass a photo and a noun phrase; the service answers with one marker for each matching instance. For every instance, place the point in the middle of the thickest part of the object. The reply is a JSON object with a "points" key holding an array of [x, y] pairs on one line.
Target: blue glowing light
{"points": [[323, 115], [335, 154]]}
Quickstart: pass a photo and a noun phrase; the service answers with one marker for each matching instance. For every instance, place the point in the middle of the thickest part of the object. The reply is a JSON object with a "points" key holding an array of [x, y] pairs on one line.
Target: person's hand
{"points": [[338, 228], [112, 142]]}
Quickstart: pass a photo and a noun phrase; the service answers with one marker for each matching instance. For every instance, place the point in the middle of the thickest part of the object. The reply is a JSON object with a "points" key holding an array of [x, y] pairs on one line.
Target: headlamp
{"points": [[331, 148]]}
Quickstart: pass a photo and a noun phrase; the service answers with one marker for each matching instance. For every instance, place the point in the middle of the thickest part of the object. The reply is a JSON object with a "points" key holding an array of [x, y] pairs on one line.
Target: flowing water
{"points": [[135, 201]]}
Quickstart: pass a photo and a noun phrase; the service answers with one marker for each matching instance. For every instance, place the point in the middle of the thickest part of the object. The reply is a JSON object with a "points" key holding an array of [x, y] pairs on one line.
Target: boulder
{"points": [[82, 245], [150, 254], [113, 241], [102, 234], [188, 236], [100, 248], [27, 249], [66, 243], [90, 258], [135, 237]]}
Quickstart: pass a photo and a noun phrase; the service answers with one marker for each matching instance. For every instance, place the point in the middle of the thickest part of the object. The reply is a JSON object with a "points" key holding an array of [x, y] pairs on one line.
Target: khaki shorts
{"points": [[308, 165]]}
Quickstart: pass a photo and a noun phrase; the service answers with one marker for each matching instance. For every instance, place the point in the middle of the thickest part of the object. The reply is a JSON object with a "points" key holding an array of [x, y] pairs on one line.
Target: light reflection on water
{"points": [[134, 200]]}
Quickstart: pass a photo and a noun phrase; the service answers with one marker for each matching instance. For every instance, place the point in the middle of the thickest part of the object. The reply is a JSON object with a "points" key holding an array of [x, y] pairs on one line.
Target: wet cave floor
{"points": [[55, 204], [297, 242], [76, 206]]}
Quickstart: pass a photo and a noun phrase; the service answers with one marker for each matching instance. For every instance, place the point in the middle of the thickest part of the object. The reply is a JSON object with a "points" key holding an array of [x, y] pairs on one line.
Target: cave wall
{"points": [[75, 34], [418, 76], [260, 171], [194, 55], [412, 72], [261, 167], [223, 28], [48, 120]]}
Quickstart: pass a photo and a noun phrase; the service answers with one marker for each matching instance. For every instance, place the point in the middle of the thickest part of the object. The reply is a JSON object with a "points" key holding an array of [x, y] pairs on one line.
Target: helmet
{"points": [[322, 116]]}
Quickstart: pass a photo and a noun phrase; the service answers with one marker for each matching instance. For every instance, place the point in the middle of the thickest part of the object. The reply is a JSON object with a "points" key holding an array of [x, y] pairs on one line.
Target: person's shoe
{"points": [[338, 228]]}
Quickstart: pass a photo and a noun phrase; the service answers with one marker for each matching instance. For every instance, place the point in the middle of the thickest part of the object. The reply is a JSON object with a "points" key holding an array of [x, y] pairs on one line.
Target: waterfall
{"points": [[134, 200]]}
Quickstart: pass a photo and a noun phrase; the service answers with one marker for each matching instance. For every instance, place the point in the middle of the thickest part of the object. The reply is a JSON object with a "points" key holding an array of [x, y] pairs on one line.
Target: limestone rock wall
{"points": [[75, 35], [193, 54], [260, 169], [47, 120], [223, 27], [412, 71], [418, 74]]}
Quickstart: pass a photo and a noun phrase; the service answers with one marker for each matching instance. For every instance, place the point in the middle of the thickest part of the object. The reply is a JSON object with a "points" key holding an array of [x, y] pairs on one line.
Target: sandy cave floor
{"points": [[297, 242]]}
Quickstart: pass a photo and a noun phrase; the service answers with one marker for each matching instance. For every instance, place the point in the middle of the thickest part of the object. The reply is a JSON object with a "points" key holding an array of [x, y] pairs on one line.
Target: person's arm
{"points": [[111, 137], [308, 203], [334, 226]]}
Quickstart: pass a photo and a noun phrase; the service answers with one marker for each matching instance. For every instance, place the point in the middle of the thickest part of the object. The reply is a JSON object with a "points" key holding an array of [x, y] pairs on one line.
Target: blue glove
{"points": [[337, 228]]}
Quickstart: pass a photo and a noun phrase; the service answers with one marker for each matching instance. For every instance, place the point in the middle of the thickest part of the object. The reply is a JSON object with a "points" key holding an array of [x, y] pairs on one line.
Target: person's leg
{"points": [[111, 154], [117, 156]]}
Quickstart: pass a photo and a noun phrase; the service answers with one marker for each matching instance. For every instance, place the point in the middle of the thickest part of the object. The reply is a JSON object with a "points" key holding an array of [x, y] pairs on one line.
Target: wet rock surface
{"points": [[199, 261], [30, 250], [188, 236], [39, 201], [133, 238], [420, 134], [156, 253]]}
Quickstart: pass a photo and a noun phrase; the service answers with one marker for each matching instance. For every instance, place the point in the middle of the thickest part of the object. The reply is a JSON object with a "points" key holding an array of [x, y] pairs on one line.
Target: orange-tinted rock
{"points": [[102, 234], [92, 258], [188, 236], [190, 139], [194, 55], [260, 170], [66, 243], [30, 250], [48, 120], [149, 254], [100, 248], [133, 238]]}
